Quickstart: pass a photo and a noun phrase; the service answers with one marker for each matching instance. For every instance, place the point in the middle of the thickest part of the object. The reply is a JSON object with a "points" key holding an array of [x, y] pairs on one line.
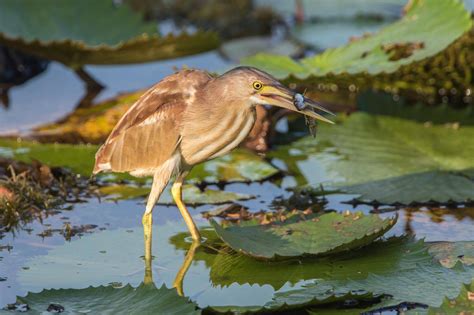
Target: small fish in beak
{"points": [[311, 123], [298, 100]]}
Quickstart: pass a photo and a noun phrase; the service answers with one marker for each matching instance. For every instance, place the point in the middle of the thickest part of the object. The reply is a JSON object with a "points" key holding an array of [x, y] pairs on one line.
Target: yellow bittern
{"points": [[188, 118]]}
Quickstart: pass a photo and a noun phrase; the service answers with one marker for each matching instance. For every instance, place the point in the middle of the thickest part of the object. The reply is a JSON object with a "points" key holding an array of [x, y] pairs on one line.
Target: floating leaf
{"points": [[388, 159], [427, 28], [315, 235], [238, 166], [462, 304], [107, 34], [145, 299], [449, 253]]}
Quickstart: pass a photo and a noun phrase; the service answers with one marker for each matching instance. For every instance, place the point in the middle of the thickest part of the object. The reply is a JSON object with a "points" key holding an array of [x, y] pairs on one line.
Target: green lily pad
{"points": [[91, 32], [426, 28], [329, 233], [145, 299], [450, 253], [462, 304], [192, 195], [388, 159], [238, 166]]}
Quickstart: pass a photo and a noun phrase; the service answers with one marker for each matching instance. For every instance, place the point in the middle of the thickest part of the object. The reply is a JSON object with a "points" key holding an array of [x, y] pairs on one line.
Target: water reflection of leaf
{"points": [[381, 257]]}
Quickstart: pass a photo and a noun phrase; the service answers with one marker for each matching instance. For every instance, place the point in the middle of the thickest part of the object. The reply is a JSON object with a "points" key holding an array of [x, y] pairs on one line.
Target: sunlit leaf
{"points": [[107, 34], [145, 299], [426, 28], [313, 235], [87, 125], [388, 159]]}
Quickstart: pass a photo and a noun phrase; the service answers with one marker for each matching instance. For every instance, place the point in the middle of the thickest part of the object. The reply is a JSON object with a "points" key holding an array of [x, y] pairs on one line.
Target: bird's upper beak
{"points": [[279, 95]]}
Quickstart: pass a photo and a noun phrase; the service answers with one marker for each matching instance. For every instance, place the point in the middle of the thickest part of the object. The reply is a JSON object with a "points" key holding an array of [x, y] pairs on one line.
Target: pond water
{"points": [[111, 250]]}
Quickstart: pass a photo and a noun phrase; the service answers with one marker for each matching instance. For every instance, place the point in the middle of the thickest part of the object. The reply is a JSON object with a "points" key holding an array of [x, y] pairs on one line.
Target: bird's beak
{"points": [[278, 95]]}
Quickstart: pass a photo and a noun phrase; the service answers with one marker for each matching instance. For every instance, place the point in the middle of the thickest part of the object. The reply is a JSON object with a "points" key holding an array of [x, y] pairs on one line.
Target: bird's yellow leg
{"points": [[177, 193], [159, 182], [147, 221], [178, 281]]}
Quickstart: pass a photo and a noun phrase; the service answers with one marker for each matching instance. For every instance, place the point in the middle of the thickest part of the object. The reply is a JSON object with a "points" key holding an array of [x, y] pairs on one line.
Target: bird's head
{"points": [[259, 88]]}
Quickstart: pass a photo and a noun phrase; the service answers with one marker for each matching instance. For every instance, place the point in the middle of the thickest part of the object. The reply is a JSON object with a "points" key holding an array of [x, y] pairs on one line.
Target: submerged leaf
{"points": [[426, 29], [145, 299], [192, 195], [239, 166], [91, 32], [449, 253], [313, 235]]}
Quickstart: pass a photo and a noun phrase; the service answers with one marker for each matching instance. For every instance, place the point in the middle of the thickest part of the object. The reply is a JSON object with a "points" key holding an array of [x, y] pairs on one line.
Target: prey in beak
{"points": [[279, 95]]}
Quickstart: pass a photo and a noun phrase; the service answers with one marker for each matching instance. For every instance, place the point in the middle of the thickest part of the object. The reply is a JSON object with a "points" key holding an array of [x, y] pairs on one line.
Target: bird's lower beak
{"points": [[282, 97]]}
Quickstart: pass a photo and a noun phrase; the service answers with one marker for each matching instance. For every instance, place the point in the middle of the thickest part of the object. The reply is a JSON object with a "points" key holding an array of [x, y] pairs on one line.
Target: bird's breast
{"points": [[216, 135]]}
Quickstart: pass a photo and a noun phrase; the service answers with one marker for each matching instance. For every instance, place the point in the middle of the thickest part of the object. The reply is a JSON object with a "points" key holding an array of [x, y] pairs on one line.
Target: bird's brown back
{"points": [[149, 132]]}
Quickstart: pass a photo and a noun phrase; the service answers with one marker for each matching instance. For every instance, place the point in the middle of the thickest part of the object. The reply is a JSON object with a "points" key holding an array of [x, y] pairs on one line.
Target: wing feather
{"points": [[149, 132]]}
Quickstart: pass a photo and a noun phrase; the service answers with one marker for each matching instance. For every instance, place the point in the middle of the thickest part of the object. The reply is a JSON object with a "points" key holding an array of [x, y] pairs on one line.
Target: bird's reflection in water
{"points": [[178, 281]]}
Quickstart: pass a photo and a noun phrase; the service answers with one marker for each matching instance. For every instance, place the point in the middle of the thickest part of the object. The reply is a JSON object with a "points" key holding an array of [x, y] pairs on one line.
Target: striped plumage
{"points": [[187, 118]]}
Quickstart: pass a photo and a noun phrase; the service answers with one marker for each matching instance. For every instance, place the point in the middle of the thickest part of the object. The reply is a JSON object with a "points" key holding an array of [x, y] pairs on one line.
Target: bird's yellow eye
{"points": [[257, 85]]}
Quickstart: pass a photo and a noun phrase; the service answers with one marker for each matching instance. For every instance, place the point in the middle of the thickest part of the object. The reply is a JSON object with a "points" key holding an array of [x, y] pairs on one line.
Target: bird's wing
{"points": [[148, 133]]}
